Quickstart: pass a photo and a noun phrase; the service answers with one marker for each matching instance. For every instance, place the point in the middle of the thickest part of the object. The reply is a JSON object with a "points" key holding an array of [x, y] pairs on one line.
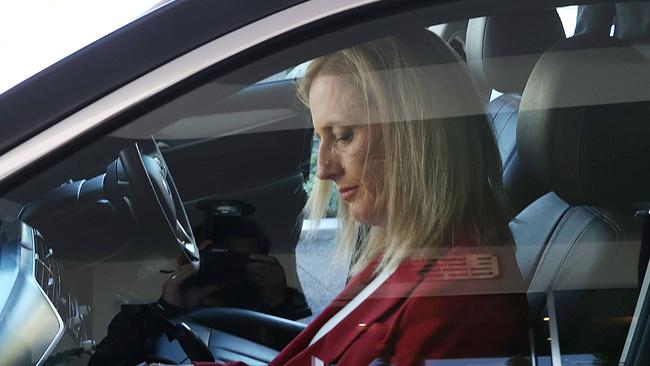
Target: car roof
{"points": [[120, 57]]}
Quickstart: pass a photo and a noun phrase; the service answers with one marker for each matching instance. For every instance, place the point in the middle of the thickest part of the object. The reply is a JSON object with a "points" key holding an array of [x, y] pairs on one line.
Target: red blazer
{"points": [[416, 316]]}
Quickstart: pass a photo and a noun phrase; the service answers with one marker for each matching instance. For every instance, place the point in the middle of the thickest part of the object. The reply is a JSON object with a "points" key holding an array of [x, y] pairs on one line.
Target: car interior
{"points": [[102, 229], [568, 239]]}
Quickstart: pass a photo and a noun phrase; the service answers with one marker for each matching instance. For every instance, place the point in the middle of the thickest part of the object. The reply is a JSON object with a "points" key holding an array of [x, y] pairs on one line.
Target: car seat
{"points": [[501, 52], [583, 132]]}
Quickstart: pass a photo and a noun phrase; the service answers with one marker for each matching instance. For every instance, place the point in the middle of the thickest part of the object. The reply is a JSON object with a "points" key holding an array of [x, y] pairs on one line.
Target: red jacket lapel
{"points": [[301, 342], [383, 302]]}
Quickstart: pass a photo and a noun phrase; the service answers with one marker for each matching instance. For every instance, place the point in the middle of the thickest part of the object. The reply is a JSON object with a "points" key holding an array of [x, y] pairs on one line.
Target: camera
{"points": [[219, 264]]}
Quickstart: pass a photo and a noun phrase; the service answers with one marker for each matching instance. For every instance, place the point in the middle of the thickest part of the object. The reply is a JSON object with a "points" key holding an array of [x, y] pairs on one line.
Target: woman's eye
{"points": [[344, 137]]}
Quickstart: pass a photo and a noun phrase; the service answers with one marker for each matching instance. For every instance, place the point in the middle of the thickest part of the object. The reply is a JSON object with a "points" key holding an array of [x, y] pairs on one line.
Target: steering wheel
{"points": [[158, 207]]}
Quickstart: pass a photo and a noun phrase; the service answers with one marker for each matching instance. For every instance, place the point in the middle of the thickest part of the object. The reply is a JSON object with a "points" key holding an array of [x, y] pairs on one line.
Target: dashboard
{"points": [[35, 312]]}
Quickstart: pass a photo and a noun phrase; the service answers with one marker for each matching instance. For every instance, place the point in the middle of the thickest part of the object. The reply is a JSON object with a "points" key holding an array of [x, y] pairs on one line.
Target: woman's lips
{"points": [[348, 192]]}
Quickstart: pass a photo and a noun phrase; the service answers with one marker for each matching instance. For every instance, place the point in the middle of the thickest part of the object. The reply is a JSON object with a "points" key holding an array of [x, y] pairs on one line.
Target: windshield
{"points": [[36, 34]]}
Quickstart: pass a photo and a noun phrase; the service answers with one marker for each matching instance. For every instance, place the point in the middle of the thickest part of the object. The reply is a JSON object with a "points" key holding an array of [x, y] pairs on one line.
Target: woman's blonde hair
{"points": [[442, 166]]}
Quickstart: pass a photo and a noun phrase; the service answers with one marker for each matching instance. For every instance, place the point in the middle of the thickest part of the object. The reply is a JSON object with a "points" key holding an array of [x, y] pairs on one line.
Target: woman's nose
{"points": [[328, 166]]}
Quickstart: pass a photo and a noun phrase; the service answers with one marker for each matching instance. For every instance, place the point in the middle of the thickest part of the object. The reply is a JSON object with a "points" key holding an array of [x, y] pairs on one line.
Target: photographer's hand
{"points": [[177, 291], [267, 273]]}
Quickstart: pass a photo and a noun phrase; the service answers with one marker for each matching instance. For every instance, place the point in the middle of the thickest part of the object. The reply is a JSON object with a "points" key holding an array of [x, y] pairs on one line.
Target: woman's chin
{"points": [[367, 218]]}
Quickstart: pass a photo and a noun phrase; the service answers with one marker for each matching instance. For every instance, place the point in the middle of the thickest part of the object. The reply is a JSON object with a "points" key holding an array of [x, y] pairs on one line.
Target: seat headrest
{"points": [[584, 121], [503, 49]]}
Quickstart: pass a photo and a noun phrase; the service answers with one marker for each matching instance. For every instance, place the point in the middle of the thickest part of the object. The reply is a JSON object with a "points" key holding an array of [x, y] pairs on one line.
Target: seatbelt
{"points": [[644, 254], [638, 337]]}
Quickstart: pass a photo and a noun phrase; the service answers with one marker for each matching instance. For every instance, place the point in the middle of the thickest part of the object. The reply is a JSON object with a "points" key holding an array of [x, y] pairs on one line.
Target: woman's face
{"points": [[351, 151]]}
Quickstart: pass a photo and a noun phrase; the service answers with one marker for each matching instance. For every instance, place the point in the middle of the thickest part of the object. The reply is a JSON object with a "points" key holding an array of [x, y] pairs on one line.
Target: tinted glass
{"points": [[381, 195]]}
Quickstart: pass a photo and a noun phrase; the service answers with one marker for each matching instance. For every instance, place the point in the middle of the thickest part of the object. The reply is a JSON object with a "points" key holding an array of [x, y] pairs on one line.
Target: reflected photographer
{"points": [[235, 269]]}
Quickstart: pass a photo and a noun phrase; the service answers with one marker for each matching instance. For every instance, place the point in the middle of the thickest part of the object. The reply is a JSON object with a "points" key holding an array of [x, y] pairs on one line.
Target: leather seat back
{"points": [[501, 52], [584, 133]]}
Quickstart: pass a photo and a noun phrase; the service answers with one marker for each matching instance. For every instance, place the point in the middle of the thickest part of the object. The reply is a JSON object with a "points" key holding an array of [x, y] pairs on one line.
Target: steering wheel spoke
{"points": [[158, 205]]}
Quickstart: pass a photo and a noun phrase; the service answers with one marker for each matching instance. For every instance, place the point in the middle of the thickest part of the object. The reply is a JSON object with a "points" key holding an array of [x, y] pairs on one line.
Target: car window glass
{"points": [[291, 73], [568, 15], [396, 188]]}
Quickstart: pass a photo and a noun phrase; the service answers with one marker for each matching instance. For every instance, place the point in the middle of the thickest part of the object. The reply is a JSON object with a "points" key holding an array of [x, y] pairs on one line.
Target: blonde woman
{"points": [[405, 142]]}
